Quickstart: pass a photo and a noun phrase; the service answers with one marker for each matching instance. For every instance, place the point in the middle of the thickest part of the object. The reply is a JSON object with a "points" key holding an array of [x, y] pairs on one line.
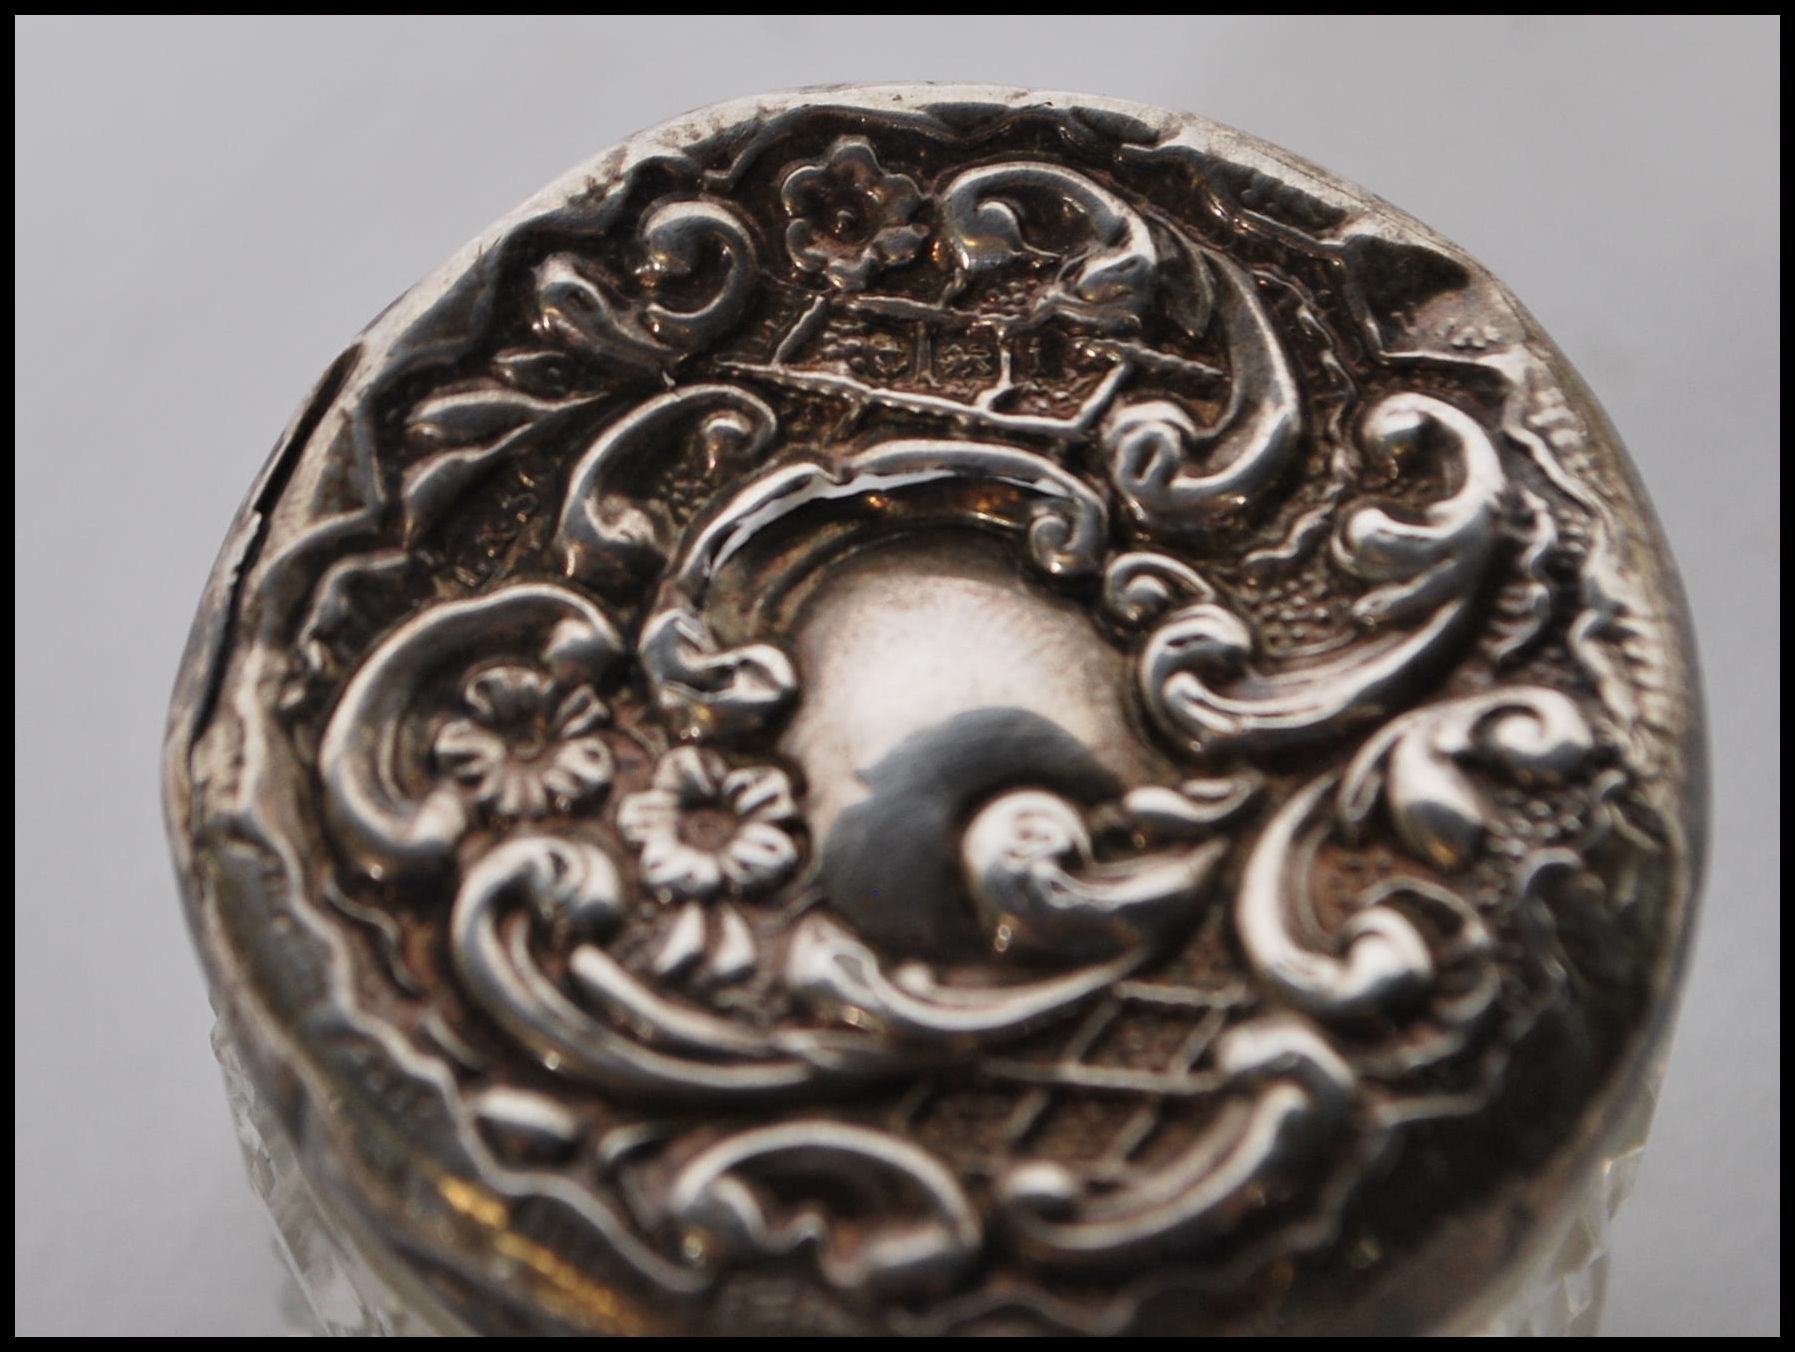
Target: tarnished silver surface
{"points": [[946, 710]]}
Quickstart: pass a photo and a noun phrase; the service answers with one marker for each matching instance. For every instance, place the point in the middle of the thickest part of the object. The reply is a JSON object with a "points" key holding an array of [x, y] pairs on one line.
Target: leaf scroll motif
{"points": [[1287, 1092], [1042, 897], [605, 1026], [1109, 282], [602, 525], [707, 688], [1415, 765], [1383, 961], [1197, 674], [463, 434], [1151, 444], [1036, 883], [920, 1232], [587, 312]]}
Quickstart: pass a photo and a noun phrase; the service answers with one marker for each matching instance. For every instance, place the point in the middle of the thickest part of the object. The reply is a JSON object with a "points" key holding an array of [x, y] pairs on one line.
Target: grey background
{"points": [[208, 209]]}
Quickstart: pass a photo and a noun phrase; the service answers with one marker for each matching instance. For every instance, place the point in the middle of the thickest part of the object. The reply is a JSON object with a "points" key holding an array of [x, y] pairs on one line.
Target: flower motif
{"points": [[703, 828], [528, 747], [849, 217]]}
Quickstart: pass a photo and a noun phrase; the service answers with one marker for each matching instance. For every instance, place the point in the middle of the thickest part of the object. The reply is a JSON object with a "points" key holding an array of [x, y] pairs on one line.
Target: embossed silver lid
{"points": [[936, 709]]}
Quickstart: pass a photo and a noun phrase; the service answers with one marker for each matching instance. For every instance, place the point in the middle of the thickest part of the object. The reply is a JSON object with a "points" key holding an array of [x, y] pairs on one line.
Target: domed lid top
{"points": [[943, 709]]}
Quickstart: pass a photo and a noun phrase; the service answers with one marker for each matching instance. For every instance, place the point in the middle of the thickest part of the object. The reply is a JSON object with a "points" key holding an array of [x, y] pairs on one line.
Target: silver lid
{"points": [[935, 709]]}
